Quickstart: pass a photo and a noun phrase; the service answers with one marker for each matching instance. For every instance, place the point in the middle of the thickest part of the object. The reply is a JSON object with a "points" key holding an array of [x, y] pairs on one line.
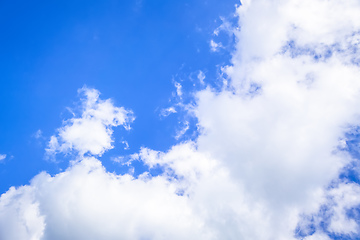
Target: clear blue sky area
{"points": [[131, 51]]}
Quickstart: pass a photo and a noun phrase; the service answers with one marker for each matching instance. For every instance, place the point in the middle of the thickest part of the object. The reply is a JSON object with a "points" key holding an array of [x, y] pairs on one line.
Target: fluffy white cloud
{"points": [[267, 160], [344, 198], [19, 215], [86, 202], [90, 133], [2, 157], [317, 236], [293, 93]]}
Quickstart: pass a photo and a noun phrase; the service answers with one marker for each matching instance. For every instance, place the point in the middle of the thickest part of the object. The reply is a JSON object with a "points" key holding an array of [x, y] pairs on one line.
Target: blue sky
{"points": [[180, 120], [132, 51]]}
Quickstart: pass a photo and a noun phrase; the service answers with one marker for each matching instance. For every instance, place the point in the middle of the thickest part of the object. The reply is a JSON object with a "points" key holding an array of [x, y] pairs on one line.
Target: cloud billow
{"points": [[90, 133], [265, 165]]}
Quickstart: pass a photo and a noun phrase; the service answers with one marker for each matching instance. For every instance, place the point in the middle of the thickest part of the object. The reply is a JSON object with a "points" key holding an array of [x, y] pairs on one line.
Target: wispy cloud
{"points": [[214, 46], [185, 126], [2, 157], [201, 77], [178, 87], [38, 134], [167, 111], [126, 147]]}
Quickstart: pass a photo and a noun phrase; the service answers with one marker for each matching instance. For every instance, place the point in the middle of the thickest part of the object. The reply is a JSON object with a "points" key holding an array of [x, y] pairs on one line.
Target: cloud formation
{"points": [[90, 133], [267, 161]]}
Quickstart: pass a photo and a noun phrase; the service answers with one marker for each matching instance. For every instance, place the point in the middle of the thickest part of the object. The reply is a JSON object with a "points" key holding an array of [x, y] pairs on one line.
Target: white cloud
{"points": [[201, 77], [86, 202], [267, 155], [167, 111], [344, 197], [279, 132], [185, 126], [317, 236], [214, 46], [226, 27], [2, 157], [90, 133], [178, 89], [126, 145], [19, 215]]}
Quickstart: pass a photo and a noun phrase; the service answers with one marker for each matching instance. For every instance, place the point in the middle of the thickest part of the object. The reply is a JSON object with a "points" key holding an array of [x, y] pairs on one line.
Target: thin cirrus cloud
{"points": [[267, 161]]}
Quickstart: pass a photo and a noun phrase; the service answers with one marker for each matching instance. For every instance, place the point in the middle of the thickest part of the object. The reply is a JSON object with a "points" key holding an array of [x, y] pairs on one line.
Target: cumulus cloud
{"points": [[91, 132], [293, 93], [2, 157], [266, 164], [86, 202]]}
